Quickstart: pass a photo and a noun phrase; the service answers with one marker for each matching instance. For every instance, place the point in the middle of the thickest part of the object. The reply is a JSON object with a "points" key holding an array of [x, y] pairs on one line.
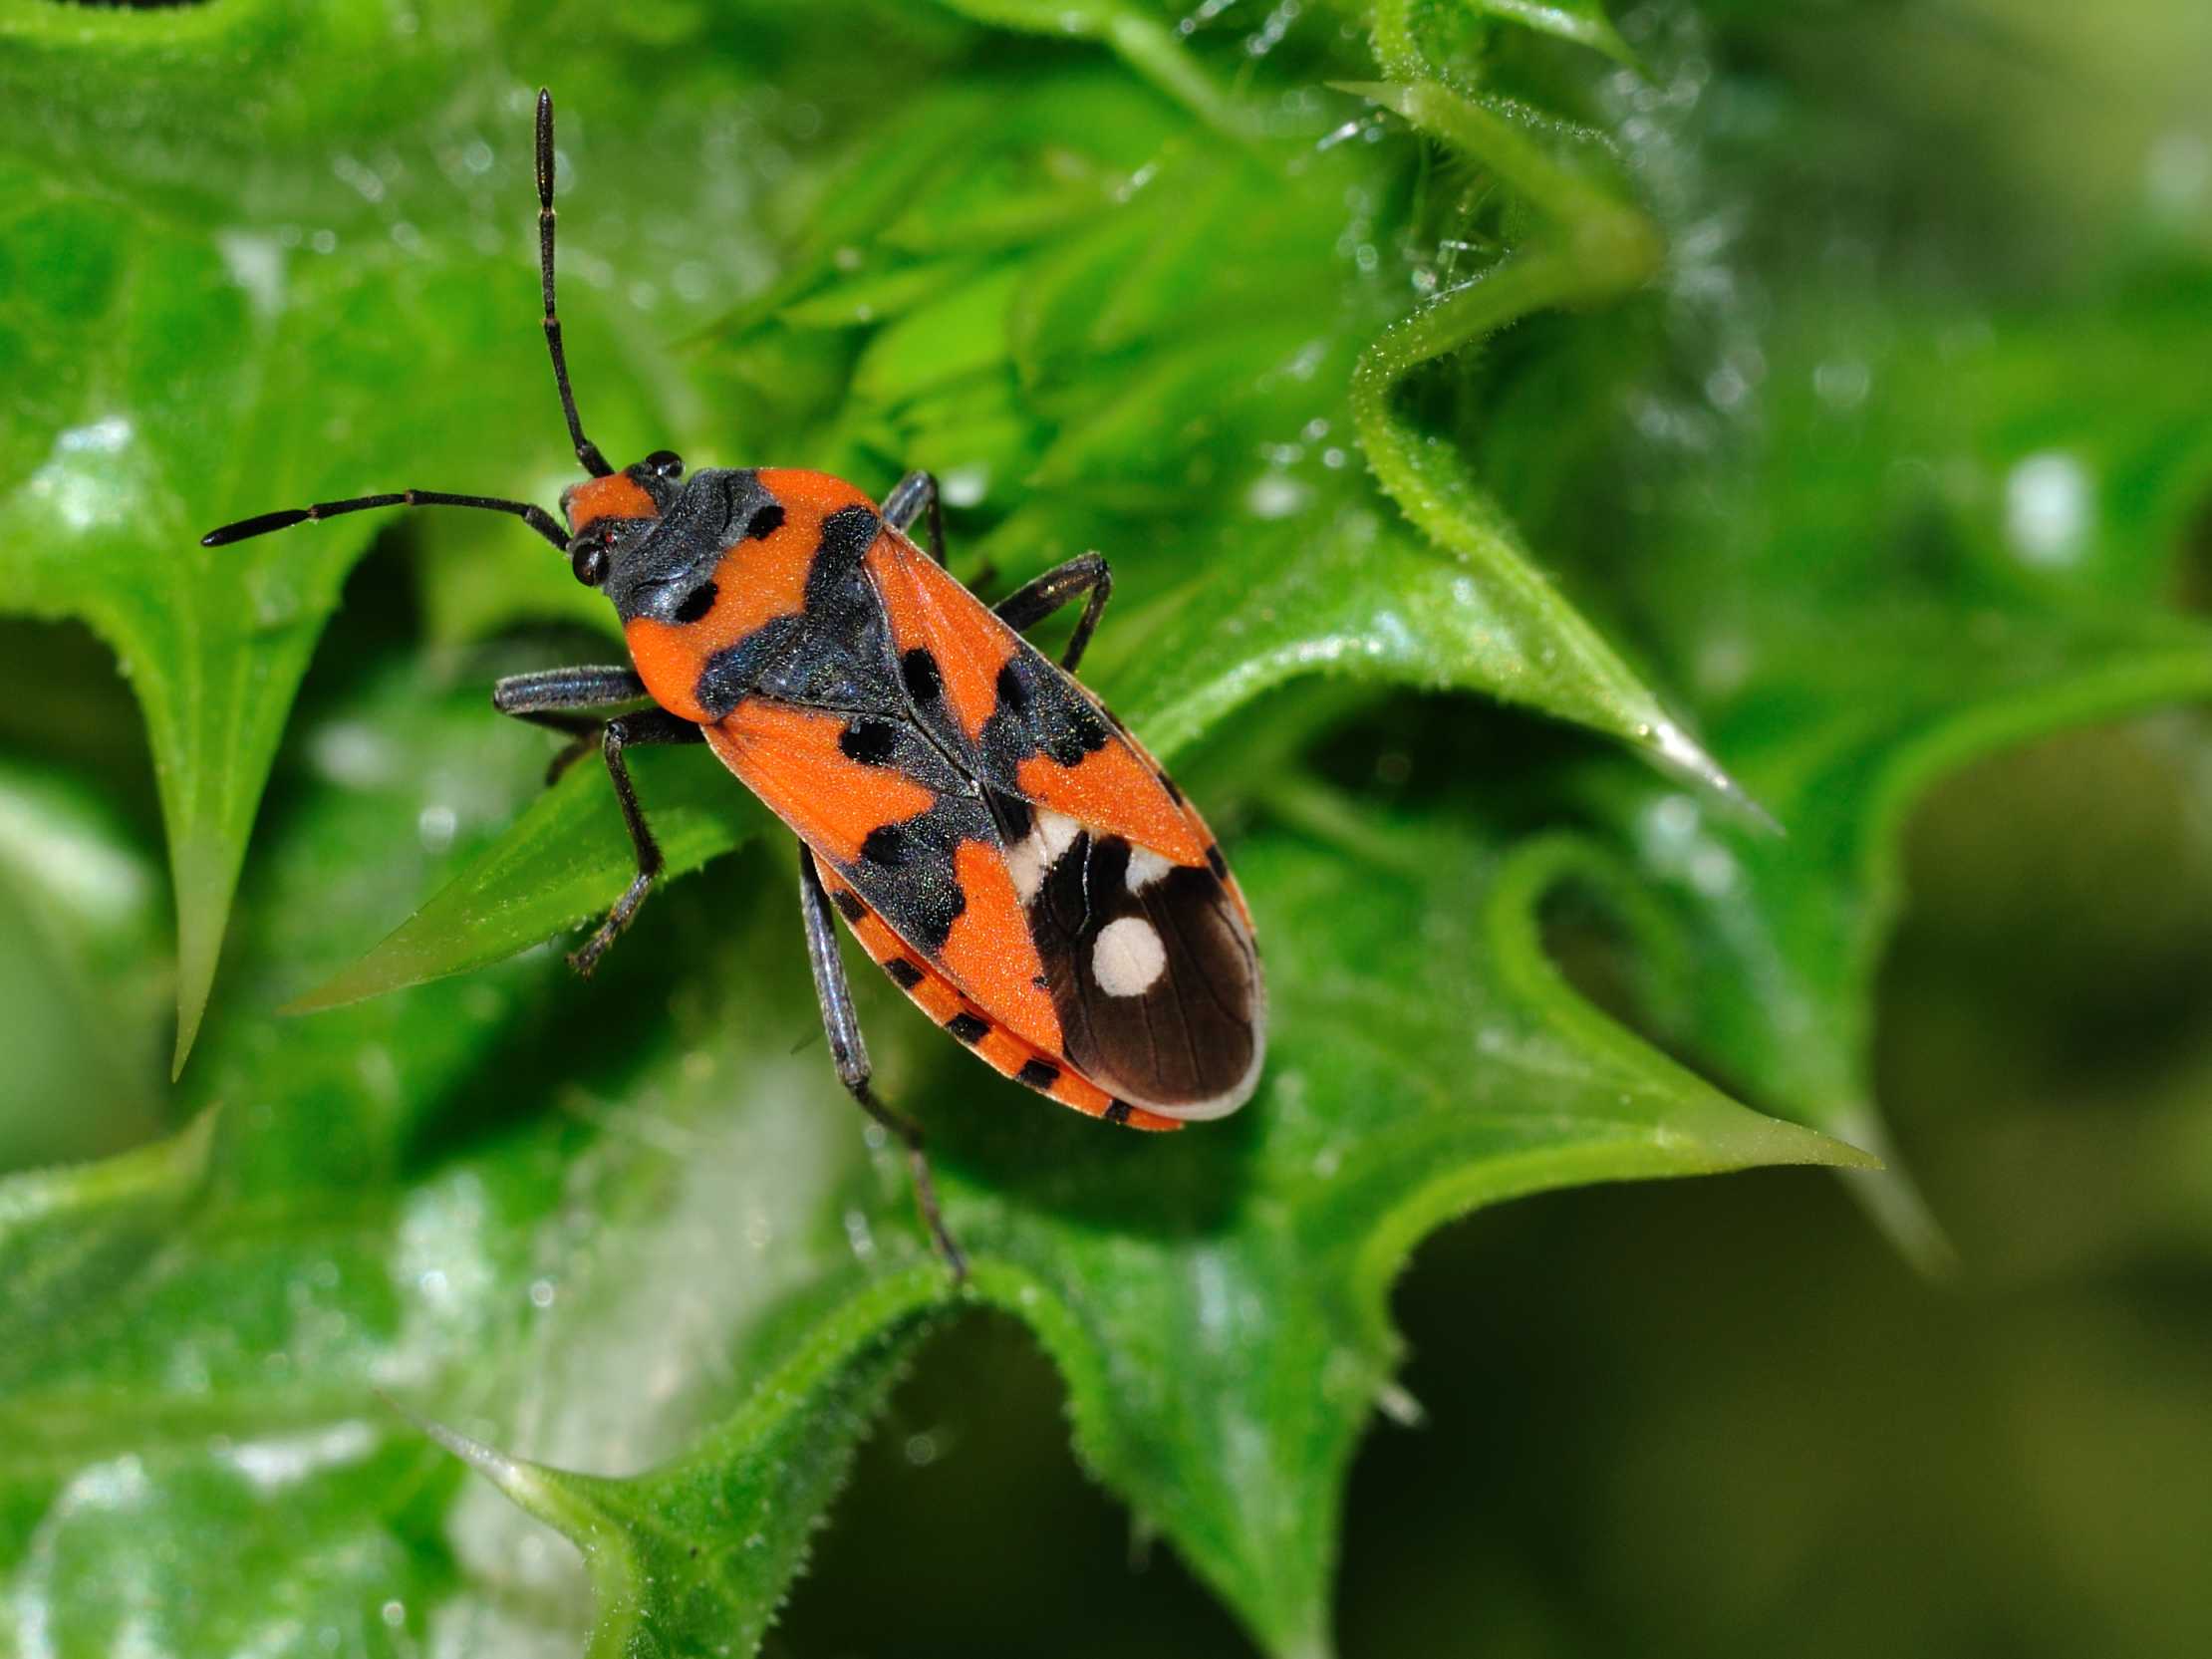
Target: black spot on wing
{"points": [[905, 872], [696, 603], [903, 973], [918, 668], [871, 743], [1080, 731], [1118, 1111], [1038, 1075], [967, 1028], [1041, 710], [1216, 863], [847, 534], [848, 905]]}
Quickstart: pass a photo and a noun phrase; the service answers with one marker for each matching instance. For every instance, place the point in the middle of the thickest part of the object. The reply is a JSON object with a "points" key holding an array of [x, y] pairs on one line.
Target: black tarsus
{"points": [[841, 1024], [1030, 604], [263, 523], [587, 453]]}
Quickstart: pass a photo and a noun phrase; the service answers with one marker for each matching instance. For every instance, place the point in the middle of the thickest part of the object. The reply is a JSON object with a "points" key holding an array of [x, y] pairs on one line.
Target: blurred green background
{"points": [[1894, 479]]}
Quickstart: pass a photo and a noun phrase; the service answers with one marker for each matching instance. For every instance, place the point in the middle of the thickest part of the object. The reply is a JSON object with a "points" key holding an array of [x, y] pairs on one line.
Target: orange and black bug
{"points": [[991, 835]]}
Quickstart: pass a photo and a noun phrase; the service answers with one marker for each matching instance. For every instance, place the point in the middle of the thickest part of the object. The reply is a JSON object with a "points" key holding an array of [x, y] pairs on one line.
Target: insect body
{"points": [[991, 835]]}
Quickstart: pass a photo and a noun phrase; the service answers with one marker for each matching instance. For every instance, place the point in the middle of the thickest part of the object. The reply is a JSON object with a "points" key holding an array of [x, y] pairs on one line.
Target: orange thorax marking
{"points": [[789, 758], [755, 582]]}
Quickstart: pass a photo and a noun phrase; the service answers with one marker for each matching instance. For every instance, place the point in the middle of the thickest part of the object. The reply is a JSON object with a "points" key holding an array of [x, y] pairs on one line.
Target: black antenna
{"points": [[587, 451], [261, 524]]}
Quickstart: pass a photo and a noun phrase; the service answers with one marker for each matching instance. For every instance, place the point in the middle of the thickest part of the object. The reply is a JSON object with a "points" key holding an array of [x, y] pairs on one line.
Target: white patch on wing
{"points": [[1128, 957], [1059, 832], [1145, 868], [1027, 868], [1051, 834]]}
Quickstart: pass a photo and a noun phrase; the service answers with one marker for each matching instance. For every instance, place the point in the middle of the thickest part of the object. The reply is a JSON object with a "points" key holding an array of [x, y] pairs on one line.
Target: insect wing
{"points": [[1142, 940]]}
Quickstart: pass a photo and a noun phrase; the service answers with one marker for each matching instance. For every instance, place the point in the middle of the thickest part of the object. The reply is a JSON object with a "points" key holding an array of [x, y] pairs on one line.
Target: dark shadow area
{"points": [[2192, 573], [63, 704], [968, 1531]]}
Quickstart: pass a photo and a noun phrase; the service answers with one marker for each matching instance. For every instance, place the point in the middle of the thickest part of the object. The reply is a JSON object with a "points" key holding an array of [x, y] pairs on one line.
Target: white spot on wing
{"points": [[1059, 830], [1128, 959], [1051, 834], [1026, 867], [1145, 868]]}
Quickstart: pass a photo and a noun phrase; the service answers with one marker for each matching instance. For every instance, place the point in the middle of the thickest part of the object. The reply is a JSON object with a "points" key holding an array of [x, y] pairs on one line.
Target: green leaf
{"points": [[1137, 34], [566, 859], [1300, 574], [1602, 249], [1848, 641], [1583, 21], [195, 1329], [1682, 396], [1216, 1301], [85, 977], [196, 359], [695, 1557]]}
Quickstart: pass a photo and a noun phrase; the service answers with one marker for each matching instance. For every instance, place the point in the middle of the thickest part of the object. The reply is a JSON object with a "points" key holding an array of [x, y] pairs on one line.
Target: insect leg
{"points": [[914, 495], [548, 697], [1030, 604], [841, 1024], [651, 725]]}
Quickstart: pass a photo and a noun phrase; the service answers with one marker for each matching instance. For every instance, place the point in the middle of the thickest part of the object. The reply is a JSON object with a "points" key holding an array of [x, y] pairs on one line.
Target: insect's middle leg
{"points": [[841, 1024], [1087, 574], [550, 696], [553, 697], [651, 725]]}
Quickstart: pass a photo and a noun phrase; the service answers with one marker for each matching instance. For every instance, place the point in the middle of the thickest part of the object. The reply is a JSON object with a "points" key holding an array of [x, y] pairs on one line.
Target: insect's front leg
{"points": [[841, 1024], [550, 696], [1087, 574]]}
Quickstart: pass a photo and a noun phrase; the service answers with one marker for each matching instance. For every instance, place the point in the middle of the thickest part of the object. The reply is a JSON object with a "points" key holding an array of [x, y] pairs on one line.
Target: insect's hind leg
{"points": [[841, 1024], [550, 696], [910, 498], [1087, 575], [651, 725]]}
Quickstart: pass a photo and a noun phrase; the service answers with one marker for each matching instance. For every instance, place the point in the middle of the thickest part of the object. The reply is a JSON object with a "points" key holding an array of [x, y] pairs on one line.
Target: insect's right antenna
{"points": [[260, 525], [585, 450]]}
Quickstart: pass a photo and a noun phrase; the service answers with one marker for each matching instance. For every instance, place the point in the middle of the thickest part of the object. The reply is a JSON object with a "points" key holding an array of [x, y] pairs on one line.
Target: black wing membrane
{"points": [[1153, 972]]}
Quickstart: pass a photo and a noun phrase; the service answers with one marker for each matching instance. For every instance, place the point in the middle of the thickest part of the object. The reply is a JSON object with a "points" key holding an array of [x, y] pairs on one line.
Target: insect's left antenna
{"points": [[263, 523], [587, 451]]}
